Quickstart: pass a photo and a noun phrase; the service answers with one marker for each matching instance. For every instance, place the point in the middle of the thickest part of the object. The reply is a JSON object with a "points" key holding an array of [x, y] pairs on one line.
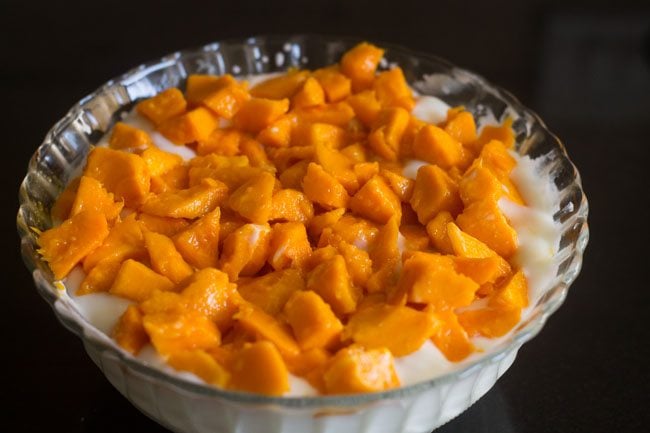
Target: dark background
{"points": [[583, 65]]}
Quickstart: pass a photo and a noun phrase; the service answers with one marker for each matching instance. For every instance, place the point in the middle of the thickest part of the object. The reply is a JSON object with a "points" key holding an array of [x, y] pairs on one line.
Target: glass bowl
{"points": [[185, 406]]}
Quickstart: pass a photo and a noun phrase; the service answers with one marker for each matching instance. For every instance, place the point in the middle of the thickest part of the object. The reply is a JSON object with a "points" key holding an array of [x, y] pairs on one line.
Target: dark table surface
{"points": [[584, 66]]}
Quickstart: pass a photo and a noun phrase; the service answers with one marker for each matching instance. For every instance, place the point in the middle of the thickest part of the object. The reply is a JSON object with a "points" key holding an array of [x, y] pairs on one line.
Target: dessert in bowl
{"points": [[424, 400]]}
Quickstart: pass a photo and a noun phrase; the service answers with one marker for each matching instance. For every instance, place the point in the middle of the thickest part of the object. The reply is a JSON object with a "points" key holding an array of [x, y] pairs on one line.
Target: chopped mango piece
{"points": [[462, 127], [339, 114], [366, 107], [198, 244], [311, 94], [489, 321], [64, 246], [312, 320], [335, 85], [434, 145], [271, 291], [129, 332], [221, 141], [199, 86], [431, 279], [125, 136], [392, 89], [332, 282], [360, 64], [164, 225], [364, 171], [486, 222], [190, 203], [124, 174], [268, 328], [137, 282], [434, 192], [254, 199], [278, 133], [195, 125], [245, 250], [165, 258], [400, 329], [226, 101], [165, 105], [450, 337], [387, 134], [402, 186], [201, 364], [502, 133], [174, 332], [289, 246], [258, 113], [514, 293], [63, 204], [355, 370], [376, 201], [125, 241], [92, 196], [259, 368], [160, 162], [284, 86], [357, 262], [209, 292], [100, 278], [291, 205], [322, 188]]}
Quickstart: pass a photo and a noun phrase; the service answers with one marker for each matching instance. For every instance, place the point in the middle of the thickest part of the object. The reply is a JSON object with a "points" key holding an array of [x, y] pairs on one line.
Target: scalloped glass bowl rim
{"points": [[514, 341]]}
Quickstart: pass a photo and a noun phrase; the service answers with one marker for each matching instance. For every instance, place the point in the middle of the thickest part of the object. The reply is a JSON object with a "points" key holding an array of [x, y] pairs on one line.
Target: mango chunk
{"points": [[164, 225], [376, 201], [226, 101], [312, 320], [479, 183], [221, 141], [271, 291], [198, 244], [400, 329], [124, 174], [278, 133], [311, 365], [191, 203], [356, 370], [385, 249], [291, 205], [392, 90], [434, 192], [165, 258], [366, 107], [434, 145], [174, 332], [364, 171], [339, 114], [160, 162], [450, 337], [195, 125], [402, 186], [201, 364], [502, 133], [490, 322], [258, 113], [209, 292], [268, 328], [335, 85], [514, 293], [462, 127], [332, 282], [360, 64], [100, 278], [63, 204], [467, 246], [485, 221], [92, 196], [336, 164], [125, 136], [387, 132], [259, 368], [64, 246], [431, 279], [198, 86], [245, 250], [311, 94], [322, 188], [137, 282], [289, 245], [254, 199], [356, 231], [176, 178], [326, 219], [129, 332], [125, 241], [284, 86], [357, 262], [165, 105]]}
